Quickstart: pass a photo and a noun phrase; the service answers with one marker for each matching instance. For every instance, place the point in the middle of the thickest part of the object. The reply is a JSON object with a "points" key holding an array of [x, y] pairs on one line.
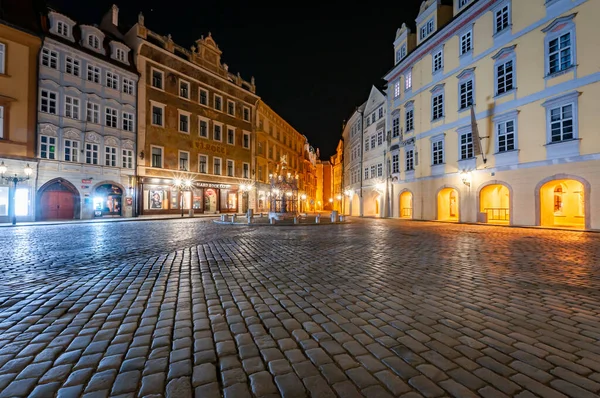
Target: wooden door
{"points": [[57, 205], [66, 206]]}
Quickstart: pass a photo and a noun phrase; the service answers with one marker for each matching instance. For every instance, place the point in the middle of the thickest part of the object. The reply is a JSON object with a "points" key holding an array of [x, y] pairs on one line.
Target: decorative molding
{"points": [[466, 73], [90, 136], [504, 52], [559, 23], [111, 141], [127, 144], [49, 129], [72, 134]]}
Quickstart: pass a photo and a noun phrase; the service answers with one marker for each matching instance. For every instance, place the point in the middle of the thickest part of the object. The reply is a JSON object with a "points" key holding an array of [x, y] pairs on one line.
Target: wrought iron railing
{"points": [[497, 213], [407, 212]]}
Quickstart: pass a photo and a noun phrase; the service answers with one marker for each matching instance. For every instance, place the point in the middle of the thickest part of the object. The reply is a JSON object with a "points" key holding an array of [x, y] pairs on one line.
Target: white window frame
{"points": [[93, 41], [162, 118], [437, 102], [128, 86], [187, 159], [244, 135], [112, 115], [2, 122], [120, 54], [555, 31], [162, 156], [2, 58], [437, 151], [92, 149], [215, 125], [215, 96], [408, 80], [92, 114], [205, 91], [245, 170], [464, 78], [72, 107], [464, 38], [437, 61], [215, 158], [395, 163], [48, 144], [396, 125], [246, 111], [569, 99], [93, 74], [162, 79], [502, 130], [501, 60], [63, 29], [499, 13], [186, 116], [112, 80], [200, 157], [128, 121], [230, 129], [228, 163], [409, 158], [409, 116], [127, 158], [50, 103], [468, 143], [183, 83], [49, 58], [72, 66], [111, 156], [232, 103], [397, 89], [205, 120], [71, 149]]}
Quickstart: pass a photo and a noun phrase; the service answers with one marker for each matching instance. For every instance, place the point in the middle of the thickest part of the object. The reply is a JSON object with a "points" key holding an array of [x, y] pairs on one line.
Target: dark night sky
{"points": [[313, 64]]}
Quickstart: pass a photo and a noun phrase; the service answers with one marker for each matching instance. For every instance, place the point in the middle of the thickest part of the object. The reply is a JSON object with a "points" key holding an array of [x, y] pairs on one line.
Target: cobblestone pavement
{"points": [[373, 308]]}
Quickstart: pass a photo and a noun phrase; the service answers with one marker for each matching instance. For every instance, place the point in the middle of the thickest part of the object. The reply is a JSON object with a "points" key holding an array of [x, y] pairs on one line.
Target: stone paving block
{"points": [[262, 384], [426, 386], [361, 377], [347, 390]]}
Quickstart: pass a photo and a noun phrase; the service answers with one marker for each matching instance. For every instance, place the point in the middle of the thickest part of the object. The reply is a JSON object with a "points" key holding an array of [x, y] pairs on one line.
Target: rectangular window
{"points": [[184, 160], [230, 168], [157, 115], [203, 128], [72, 107], [62, 29], [112, 80], [410, 119], [502, 17], [395, 163], [49, 58], [466, 42], [120, 55], [127, 159], [48, 102], [366, 173], [157, 79], [466, 94], [410, 159], [203, 97], [91, 153], [93, 113], [93, 74], [561, 123], [466, 146], [246, 142], [380, 113], [373, 141], [560, 53], [2, 59], [438, 106], [47, 147], [184, 89], [71, 150], [217, 132], [437, 152], [230, 108], [218, 102], [231, 136], [72, 66], [202, 161], [247, 114], [128, 86], [157, 157], [184, 123], [379, 138], [127, 121], [111, 117], [373, 171], [396, 126], [438, 61], [217, 166], [408, 80], [366, 144], [380, 170], [246, 170], [397, 89], [462, 3], [110, 156], [505, 75], [506, 136]]}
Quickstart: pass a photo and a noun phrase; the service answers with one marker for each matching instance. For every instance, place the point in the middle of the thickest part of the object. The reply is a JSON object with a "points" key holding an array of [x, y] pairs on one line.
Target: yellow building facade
{"points": [[19, 48], [529, 71], [337, 165]]}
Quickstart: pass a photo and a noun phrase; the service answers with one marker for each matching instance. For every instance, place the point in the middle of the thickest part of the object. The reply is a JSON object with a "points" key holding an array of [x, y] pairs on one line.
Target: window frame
{"points": [[130, 120], [554, 31], [183, 82], [440, 69], [244, 135], [187, 159], [230, 102], [571, 98], [499, 8], [128, 86], [200, 156], [215, 158], [205, 91], [501, 58], [246, 110], [51, 55], [127, 158], [42, 90], [409, 161], [73, 151], [74, 64], [93, 41], [215, 96], [230, 129], [461, 36], [205, 120], [92, 148], [188, 116], [48, 144], [465, 132], [75, 105], [408, 83], [162, 79], [153, 105], [95, 112], [94, 72], [464, 77], [439, 139], [113, 78], [409, 107], [2, 58], [245, 170], [112, 115], [396, 125], [232, 163], [162, 156], [111, 151], [215, 125], [438, 91]]}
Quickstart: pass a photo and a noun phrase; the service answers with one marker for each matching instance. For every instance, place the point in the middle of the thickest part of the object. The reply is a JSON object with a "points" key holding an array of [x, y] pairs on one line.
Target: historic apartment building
{"points": [[86, 142], [337, 172], [530, 71], [19, 46], [195, 119], [352, 135]]}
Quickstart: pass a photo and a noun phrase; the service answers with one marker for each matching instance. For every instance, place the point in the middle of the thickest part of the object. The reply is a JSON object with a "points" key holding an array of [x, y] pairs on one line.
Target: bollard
{"points": [[341, 218], [191, 213], [295, 220], [223, 217], [249, 220], [318, 219], [233, 218], [272, 220]]}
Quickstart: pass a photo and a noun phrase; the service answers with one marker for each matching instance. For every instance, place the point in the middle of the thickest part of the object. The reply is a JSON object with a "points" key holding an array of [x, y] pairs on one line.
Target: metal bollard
{"points": [[318, 219], [223, 217], [341, 218], [249, 219], [295, 220], [272, 220], [233, 218]]}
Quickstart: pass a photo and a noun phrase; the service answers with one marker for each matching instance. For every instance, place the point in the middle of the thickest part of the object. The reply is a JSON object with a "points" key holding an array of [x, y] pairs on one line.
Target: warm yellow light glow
{"points": [[339, 197], [465, 176], [3, 168], [303, 196], [177, 182], [494, 201], [447, 203], [28, 170], [380, 186], [330, 200], [562, 204], [406, 199]]}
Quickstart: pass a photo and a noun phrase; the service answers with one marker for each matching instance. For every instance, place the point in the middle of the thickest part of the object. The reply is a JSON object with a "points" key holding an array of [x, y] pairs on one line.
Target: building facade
{"points": [[352, 136], [20, 43], [337, 171], [196, 122], [528, 70], [86, 141]]}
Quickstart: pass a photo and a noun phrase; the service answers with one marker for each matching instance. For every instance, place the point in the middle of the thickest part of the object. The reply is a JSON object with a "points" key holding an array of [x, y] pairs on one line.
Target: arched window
{"points": [[93, 41]]}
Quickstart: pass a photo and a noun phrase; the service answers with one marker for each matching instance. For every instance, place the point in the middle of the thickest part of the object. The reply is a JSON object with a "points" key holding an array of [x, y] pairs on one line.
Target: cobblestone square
{"points": [[373, 308]]}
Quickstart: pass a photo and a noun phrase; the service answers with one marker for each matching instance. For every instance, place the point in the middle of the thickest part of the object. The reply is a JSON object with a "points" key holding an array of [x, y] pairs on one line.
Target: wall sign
{"points": [[86, 181], [210, 185], [208, 146]]}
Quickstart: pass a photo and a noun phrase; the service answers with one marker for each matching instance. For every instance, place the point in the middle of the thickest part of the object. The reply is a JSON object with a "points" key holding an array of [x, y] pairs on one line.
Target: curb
{"points": [[107, 221]]}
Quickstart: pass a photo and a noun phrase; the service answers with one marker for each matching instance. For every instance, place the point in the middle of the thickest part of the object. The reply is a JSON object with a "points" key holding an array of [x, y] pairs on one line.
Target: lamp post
{"points": [[339, 202], [183, 185], [15, 180]]}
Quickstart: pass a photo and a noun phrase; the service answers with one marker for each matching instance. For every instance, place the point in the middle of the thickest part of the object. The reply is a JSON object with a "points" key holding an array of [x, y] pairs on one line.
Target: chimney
{"points": [[115, 15]]}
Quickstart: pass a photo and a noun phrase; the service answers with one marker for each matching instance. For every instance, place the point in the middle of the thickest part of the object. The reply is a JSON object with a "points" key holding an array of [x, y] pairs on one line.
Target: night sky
{"points": [[313, 64]]}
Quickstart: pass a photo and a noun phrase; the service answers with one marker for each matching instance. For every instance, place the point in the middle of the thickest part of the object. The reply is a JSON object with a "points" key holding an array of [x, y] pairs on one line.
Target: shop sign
{"points": [[129, 201], [207, 146], [86, 181], [85, 187], [209, 185]]}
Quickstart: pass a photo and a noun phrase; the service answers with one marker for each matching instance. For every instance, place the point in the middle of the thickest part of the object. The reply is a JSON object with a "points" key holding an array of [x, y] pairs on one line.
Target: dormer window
{"points": [[63, 29], [120, 55], [94, 42]]}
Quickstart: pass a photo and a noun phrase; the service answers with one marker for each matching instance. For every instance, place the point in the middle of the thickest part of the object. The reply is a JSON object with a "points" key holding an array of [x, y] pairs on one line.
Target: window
{"points": [[93, 113], [505, 77], [230, 168], [380, 170], [203, 97], [111, 117], [71, 107], [396, 126], [231, 136], [63, 29], [71, 151], [559, 53], [437, 152], [397, 89], [120, 54], [184, 89], [128, 86], [93, 74], [127, 158], [438, 61], [49, 58], [506, 135], [72, 66], [380, 113], [2, 59], [366, 144], [561, 123], [366, 173], [408, 80], [427, 29], [217, 132], [462, 3], [184, 160], [437, 106], [466, 146], [218, 102], [246, 140], [217, 166], [127, 121], [48, 102], [410, 119], [395, 163], [373, 141], [157, 79], [373, 171], [410, 159], [93, 41], [47, 147], [466, 94], [202, 161], [203, 128], [91, 153], [184, 122], [246, 170], [247, 114], [110, 156], [112, 81], [157, 157], [380, 138], [230, 108], [502, 18], [157, 115], [466, 42]]}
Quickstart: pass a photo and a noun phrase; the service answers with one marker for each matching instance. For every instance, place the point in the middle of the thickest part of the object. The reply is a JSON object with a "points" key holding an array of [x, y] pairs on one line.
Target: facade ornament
{"points": [[226, 67], [193, 48], [252, 81], [141, 19]]}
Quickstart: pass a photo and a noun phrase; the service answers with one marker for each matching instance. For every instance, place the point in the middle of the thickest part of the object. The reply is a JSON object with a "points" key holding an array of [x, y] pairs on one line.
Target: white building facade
{"points": [[352, 167]]}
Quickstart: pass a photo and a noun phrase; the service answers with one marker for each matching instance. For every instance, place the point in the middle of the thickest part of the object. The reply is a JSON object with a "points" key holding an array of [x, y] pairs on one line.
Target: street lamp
{"points": [[15, 180], [303, 197], [183, 185]]}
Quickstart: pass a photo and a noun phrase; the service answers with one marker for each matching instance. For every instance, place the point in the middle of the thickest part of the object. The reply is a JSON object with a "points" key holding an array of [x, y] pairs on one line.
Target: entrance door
{"points": [[210, 201], [57, 205]]}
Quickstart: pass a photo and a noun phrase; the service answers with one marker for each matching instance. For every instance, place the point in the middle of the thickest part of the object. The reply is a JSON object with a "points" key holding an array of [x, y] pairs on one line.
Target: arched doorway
{"points": [[563, 203], [108, 200], [58, 200], [406, 204], [376, 203], [355, 210], [447, 204], [494, 202]]}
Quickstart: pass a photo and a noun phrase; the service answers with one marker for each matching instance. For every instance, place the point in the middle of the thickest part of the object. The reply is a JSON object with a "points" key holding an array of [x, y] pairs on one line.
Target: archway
{"points": [[355, 210], [108, 197], [563, 203], [58, 199], [447, 204], [377, 213], [494, 202], [406, 204]]}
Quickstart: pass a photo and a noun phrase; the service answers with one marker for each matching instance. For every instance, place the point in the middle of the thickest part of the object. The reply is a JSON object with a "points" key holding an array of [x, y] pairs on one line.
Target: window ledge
{"points": [[437, 169], [562, 149], [468, 53], [561, 72], [507, 157], [502, 32], [438, 119], [460, 110], [504, 94], [467, 164]]}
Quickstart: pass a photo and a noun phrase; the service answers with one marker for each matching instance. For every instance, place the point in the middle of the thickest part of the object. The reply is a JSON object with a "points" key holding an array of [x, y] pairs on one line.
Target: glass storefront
{"points": [[107, 200], [4, 201], [166, 199]]}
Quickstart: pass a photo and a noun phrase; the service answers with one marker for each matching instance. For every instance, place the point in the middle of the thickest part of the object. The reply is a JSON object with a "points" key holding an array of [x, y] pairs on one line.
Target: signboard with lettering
{"points": [[85, 187], [210, 147], [211, 185], [86, 181]]}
